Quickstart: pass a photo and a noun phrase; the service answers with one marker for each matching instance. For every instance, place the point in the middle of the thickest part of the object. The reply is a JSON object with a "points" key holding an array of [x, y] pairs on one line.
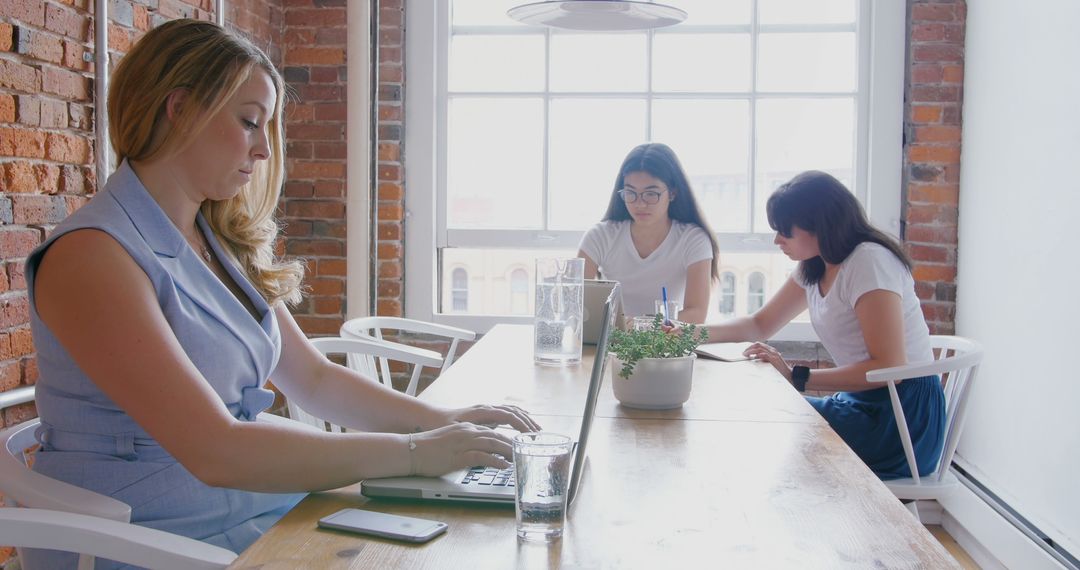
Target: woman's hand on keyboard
{"points": [[492, 416], [458, 446]]}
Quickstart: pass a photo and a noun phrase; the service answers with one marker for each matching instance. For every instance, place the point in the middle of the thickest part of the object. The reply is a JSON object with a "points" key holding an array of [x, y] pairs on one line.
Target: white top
{"points": [[869, 267], [610, 246]]}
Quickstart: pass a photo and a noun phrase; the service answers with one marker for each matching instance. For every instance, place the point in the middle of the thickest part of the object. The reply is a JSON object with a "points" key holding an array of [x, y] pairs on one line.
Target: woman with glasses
{"points": [[856, 282], [654, 236]]}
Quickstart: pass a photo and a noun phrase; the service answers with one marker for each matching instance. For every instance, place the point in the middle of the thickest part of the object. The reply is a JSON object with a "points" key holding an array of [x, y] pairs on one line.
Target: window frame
{"points": [[878, 165]]}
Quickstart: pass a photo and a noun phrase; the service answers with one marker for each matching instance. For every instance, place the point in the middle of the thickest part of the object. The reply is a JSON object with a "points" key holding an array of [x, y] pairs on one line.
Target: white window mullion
{"points": [[752, 179]]}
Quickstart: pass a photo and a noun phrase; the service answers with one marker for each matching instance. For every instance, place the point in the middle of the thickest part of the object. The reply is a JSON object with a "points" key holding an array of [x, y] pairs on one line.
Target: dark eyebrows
{"points": [[649, 187]]}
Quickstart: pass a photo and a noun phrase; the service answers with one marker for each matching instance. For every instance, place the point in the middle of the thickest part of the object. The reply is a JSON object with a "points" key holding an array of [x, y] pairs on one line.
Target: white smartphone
{"points": [[381, 524]]}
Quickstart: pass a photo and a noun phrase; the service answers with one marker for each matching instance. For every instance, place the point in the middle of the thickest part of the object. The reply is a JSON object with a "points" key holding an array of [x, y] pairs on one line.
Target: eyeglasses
{"points": [[648, 196]]}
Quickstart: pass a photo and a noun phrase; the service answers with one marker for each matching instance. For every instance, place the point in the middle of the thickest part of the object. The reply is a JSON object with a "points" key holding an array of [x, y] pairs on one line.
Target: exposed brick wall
{"points": [[390, 247], [934, 94], [313, 207]]}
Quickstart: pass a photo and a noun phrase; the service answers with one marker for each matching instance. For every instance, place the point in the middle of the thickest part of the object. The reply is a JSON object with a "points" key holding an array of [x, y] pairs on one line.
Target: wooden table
{"points": [[745, 475]]}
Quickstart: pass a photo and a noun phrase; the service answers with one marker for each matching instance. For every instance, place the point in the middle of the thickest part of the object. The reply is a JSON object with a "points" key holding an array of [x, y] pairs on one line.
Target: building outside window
{"points": [[755, 292], [532, 124], [459, 290], [519, 292], [727, 294]]}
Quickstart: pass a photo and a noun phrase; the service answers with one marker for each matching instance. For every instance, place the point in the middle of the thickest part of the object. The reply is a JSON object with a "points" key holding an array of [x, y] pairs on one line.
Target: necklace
{"points": [[201, 247]]}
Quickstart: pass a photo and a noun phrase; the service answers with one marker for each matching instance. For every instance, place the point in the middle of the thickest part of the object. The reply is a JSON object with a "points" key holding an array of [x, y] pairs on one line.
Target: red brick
{"points": [[21, 342], [328, 305], [938, 52], [389, 112], [322, 287], [330, 189], [18, 414], [390, 191], [72, 180], [939, 194], [67, 84], [299, 37], [6, 36], [931, 213], [70, 149], [28, 11], [391, 212], [173, 9], [933, 12], [141, 17], [928, 32], [297, 228], [937, 134], [16, 276], [19, 77], [53, 115], [29, 371], [14, 311], [48, 178], [929, 253], [298, 113], [330, 151], [938, 312], [313, 93], [37, 210], [5, 286], [389, 152], [330, 248], [389, 16], [937, 93], [7, 108], [921, 153], [927, 73], [22, 143], [119, 38], [67, 22], [17, 242], [331, 229], [45, 47], [294, 189], [324, 74], [925, 272], [389, 288], [332, 268], [388, 251], [390, 73], [390, 172], [10, 375], [317, 132], [926, 113], [80, 116], [331, 112], [930, 234], [389, 308], [389, 270], [389, 231], [314, 209], [319, 325], [315, 17], [953, 74], [304, 169]]}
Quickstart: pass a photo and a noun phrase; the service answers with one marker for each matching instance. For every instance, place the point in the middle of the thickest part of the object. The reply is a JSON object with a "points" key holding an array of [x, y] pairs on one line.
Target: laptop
{"points": [[596, 293], [488, 485]]}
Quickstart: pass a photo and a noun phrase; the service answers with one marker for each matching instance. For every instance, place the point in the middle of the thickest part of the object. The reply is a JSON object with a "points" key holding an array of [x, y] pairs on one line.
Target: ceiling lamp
{"points": [[597, 15]]}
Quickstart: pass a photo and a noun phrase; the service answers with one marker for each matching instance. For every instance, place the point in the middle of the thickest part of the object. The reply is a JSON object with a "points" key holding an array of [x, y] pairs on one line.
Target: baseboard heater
{"points": [[1056, 551]]}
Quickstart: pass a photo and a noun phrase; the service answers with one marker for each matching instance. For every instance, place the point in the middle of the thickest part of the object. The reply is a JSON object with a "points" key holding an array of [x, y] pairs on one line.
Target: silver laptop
{"points": [[596, 293], [487, 485]]}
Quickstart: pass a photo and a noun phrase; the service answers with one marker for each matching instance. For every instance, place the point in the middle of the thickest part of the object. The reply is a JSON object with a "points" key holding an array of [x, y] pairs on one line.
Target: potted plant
{"points": [[654, 369]]}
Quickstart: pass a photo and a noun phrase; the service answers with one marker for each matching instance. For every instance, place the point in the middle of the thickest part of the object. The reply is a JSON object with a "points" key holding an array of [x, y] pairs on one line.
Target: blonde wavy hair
{"points": [[210, 64]]}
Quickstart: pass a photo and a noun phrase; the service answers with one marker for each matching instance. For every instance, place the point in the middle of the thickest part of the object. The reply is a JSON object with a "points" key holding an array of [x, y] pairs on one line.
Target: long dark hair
{"points": [[660, 162], [823, 206]]}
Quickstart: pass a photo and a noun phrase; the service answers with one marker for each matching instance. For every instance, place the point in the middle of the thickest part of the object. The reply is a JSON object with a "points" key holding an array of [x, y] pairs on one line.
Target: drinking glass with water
{"points": [[542, 468], [560, 285]]}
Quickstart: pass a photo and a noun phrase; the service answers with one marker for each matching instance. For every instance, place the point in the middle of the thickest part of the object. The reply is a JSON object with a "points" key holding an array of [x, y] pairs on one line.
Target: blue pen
{"points": [[663, 309]]}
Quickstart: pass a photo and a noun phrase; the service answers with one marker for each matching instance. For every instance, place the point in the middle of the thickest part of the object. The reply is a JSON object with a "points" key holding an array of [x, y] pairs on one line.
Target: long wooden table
{"points": [[745, 475]]}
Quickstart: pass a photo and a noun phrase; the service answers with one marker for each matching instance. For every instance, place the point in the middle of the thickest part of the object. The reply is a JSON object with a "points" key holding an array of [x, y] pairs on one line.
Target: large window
{"points": [[528, 126]]}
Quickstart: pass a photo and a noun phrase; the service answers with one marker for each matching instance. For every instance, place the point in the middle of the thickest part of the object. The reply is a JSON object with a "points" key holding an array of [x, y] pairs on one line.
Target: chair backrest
{"points": [[96, 537], [365, 351], [372, 327], [956, 361], [22, 486]]}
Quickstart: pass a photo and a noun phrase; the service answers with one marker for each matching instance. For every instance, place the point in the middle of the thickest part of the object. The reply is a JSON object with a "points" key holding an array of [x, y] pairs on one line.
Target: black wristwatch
{"points": [[799, 376]]}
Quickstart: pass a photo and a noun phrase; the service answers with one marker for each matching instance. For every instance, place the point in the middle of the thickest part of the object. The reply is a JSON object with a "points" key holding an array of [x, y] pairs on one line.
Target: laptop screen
{"points": [[597, 378]]}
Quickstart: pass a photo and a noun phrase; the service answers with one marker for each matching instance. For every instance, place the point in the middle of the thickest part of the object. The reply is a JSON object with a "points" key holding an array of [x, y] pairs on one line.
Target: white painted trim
{"points": [[358, 191], [888, 25], [990, 539], [102, 160], [420, 140]]}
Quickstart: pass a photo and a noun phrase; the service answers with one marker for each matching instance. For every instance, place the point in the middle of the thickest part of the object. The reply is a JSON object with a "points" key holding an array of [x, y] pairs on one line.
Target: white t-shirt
{"points": [[610, 246], [869, 267]]}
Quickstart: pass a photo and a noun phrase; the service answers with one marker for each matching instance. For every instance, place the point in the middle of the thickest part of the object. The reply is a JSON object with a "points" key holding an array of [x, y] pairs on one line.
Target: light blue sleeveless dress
{"points": [[87, 440]]}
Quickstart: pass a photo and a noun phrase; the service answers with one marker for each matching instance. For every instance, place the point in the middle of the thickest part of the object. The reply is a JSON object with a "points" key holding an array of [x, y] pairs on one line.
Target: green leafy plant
{"points": [[633, 345]]}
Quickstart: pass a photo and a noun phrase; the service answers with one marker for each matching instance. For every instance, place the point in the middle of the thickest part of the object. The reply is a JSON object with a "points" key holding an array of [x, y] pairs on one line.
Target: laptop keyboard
{"points": [[489, 476]]}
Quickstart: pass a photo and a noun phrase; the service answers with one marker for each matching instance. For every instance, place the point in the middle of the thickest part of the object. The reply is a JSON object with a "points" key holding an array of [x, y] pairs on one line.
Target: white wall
{"points": [[1019, 248]]}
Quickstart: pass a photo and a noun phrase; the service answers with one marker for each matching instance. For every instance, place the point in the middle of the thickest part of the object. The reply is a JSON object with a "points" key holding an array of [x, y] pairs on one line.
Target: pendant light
{"points": [[597, 15]]}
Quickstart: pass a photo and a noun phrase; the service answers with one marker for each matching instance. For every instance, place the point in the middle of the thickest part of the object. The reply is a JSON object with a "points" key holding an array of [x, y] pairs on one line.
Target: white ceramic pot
{"points": [[656, 384]]}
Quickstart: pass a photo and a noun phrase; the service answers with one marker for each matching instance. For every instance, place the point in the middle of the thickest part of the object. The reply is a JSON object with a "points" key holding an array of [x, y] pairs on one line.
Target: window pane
{"points": [[727, 294], [598, 62], [806, 11], [755, 298], [589, 139], [459, 292], [497, 63], [794, 135], [806, 62], [483, 13], [712, 140], [494, 163], [495, 277], [713, 12], [735, 268], [723, 62]]}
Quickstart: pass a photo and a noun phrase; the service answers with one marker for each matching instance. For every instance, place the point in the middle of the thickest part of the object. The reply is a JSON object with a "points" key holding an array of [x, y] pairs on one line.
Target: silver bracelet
{"points": [[412, 457]]}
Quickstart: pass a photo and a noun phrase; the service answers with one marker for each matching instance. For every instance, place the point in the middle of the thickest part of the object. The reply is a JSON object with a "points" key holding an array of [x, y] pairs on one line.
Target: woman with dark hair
{"points": [[654, 236], [857, 284]]}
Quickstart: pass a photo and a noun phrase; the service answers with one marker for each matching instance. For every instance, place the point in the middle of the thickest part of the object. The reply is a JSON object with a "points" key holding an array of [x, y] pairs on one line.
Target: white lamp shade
{"points": [[597, 15]]}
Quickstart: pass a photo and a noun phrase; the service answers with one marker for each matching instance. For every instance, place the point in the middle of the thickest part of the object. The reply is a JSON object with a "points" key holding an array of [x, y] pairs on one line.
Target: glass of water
{"points": [[560, 286], [542, 468]]}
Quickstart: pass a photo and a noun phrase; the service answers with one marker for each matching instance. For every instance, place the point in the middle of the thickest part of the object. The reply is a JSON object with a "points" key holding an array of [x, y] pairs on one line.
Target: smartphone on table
{"points": [[384, 525]]}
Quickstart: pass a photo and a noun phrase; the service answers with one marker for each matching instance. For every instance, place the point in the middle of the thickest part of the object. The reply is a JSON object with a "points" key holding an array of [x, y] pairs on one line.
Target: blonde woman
{"points": [[158, 313]]}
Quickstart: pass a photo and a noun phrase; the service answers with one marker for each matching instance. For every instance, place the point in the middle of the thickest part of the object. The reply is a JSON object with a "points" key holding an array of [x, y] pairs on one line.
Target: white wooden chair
{"points": [[957, 363], [363, 353], [70, 518], [372, 327], [93, 537]]}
